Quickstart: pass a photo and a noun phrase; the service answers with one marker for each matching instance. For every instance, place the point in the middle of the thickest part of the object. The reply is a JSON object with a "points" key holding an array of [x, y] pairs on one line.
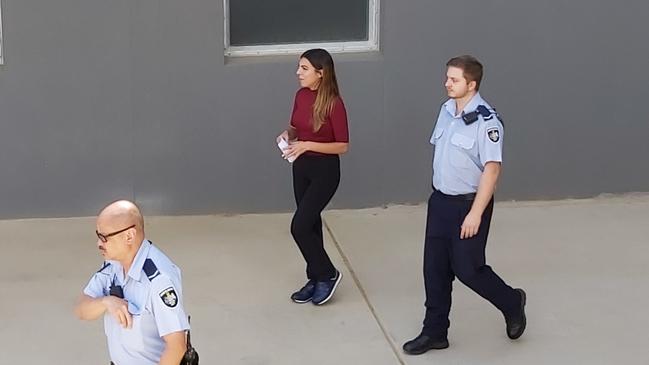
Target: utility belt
{"points": [[460, 197]]}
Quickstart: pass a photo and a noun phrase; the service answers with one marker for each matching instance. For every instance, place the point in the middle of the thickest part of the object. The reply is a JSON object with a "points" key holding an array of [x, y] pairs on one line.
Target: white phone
{"points": [[283, 144]]}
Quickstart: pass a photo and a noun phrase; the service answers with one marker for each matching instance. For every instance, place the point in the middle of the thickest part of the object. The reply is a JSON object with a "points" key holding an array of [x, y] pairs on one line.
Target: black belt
{"points": [[462, 197]]}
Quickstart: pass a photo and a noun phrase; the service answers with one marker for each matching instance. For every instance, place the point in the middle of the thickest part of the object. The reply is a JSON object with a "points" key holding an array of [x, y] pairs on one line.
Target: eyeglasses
{"points": [[104, 237]]}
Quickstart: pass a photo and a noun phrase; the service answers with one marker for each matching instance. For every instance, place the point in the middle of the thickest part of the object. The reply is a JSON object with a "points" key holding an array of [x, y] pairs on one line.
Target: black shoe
{"points": [[516, 324], [423, 343], [305, 294], [324, 290]]}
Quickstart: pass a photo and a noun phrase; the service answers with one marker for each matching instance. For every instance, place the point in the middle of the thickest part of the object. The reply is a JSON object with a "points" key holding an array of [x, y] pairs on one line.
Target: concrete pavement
{"points": [[583, 263]]}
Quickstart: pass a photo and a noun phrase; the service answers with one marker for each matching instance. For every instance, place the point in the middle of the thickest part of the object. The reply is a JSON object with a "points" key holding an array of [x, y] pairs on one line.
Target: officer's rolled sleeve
{"points": [[490, 141], [169, 314]]}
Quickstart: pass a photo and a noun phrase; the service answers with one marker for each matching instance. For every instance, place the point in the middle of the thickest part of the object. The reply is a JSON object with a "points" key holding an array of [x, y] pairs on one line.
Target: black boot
{"points": [[423, 343], [516, 324]]}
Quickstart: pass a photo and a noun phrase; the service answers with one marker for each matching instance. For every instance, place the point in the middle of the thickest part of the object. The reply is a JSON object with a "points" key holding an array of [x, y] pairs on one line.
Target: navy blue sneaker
{"points": [[324, 290], [305, 294]]}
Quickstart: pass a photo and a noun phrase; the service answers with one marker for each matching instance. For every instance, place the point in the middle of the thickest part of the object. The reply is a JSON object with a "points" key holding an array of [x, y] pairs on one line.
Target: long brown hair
{"points": [[328, 87]]}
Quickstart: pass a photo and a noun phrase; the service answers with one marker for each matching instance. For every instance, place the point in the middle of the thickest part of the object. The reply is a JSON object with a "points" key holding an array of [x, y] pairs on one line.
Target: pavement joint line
{"points": [[358, 284]]}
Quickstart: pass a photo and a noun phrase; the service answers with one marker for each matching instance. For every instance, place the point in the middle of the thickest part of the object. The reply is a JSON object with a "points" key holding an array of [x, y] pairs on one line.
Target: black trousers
{"points": [[315, 180], [446, 256]]}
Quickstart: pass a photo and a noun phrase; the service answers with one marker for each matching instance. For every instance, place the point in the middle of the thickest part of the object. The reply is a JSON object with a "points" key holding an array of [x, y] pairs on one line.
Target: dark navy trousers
{"points": [[315, 180], [446, 257]]}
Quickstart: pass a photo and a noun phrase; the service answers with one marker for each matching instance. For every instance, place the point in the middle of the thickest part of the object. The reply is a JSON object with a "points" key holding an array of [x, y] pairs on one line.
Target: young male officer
{"points": [[138, 291], [468, 139]]}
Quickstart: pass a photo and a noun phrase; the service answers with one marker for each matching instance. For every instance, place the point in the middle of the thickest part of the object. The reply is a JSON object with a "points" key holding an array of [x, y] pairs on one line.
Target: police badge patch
{"points": [[169, 297], [493, 134]]}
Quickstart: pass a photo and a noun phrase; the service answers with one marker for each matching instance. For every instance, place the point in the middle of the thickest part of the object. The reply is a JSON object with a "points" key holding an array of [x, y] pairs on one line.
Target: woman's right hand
{"points": [[283, 136]]}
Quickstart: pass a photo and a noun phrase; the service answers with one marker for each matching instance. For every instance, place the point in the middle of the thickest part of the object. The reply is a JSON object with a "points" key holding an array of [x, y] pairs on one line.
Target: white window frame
{"points": [[1, 43], [372, 43]]}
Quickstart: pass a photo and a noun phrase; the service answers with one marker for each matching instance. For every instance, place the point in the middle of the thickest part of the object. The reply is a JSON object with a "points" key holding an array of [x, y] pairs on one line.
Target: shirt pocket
{"points": [[459, 153]]}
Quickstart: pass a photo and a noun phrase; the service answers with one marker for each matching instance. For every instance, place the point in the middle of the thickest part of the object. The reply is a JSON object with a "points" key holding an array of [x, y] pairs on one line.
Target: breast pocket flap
{"points": [[462, 141]]}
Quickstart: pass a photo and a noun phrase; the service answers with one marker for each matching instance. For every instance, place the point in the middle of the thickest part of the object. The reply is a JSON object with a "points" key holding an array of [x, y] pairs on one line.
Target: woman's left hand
{"points": [[295, 149]]}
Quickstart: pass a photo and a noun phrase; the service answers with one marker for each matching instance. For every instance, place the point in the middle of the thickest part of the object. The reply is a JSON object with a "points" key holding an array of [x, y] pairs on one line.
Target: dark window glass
{"points": [[259, 22]]}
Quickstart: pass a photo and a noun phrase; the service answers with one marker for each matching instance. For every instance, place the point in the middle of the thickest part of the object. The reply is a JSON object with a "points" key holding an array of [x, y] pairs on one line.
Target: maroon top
{"points": [[334, 128]]}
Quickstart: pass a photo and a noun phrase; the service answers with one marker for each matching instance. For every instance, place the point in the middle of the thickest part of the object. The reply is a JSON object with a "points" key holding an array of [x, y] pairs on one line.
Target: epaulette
{"points": [[150, 269], [493, 114], [106, 264]]}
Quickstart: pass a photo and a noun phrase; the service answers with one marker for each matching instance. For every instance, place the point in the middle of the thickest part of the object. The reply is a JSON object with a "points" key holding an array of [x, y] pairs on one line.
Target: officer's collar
{"points": [[476, 100], [138, 262]]}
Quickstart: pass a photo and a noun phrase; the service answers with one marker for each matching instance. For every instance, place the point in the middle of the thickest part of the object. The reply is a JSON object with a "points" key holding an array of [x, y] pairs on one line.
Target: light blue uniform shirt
{"points": [[155, 303], [462, 151]]}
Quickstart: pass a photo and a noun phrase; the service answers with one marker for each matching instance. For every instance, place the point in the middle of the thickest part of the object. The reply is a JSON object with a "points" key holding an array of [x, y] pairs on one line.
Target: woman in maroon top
{"points": [[317, 135]]}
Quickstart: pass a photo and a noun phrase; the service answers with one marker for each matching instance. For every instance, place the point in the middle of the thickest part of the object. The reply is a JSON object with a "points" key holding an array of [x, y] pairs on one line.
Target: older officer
{"points": [[138, 291], [468, 139]]}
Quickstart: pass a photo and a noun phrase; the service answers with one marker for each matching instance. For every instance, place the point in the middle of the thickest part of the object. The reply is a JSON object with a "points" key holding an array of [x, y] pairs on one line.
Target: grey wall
{"points": [[102, 100]]}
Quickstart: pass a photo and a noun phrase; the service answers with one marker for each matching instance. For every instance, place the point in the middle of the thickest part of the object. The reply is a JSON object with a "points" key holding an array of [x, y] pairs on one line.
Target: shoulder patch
{"points": [[169, 297], [106, 264], [150, 269], [493, 134]]}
